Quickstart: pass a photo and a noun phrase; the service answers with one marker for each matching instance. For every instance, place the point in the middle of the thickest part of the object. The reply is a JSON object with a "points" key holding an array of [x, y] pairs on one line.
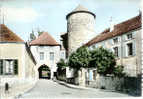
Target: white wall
{"points": [[46, 49]]}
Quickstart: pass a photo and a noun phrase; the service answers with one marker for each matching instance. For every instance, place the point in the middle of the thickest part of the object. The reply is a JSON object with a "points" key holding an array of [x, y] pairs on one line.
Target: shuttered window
{"points": [[8, 67], [130, 49], [1, 67]]}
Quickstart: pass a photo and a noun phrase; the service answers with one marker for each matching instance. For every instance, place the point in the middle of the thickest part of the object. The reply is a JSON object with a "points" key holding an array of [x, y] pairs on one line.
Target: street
{"points": [[50, 89]]}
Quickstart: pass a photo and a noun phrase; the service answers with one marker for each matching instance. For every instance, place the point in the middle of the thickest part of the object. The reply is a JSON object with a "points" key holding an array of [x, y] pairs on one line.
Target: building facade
{"points": [[16, 60], [125, 41], [46, 51]]}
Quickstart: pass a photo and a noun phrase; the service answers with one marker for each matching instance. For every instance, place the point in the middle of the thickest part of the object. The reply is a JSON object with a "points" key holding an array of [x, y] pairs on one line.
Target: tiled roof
{"points": [[45, 39], [119, 29], [6, 35], [80, 8]]}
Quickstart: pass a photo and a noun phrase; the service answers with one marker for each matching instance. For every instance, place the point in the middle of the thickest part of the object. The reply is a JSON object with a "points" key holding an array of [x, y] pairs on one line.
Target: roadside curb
{"points": [[72, 86]]}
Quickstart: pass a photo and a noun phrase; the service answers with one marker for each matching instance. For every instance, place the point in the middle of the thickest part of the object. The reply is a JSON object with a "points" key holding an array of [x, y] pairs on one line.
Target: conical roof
{"points": [[79, 9], [45, 39], [6, 35]]}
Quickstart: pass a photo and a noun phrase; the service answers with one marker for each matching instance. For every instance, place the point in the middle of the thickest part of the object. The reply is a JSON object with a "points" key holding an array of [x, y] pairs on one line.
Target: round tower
{"points": [[80, 27]]}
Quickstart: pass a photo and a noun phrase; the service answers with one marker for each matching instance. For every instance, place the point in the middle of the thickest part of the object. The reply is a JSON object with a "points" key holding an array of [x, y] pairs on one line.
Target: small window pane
{"points": [[51, 55], [115, 40], [41, 55], [129, 36]]}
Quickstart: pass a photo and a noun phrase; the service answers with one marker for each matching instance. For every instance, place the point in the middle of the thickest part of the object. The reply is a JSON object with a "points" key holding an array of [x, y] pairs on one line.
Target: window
{"points": [[8, 67], [115, 40], [63, 55], [41, 55], [129, 36], [130, 49], [94, 74], [116, 51], [41, 47], [51, 55]]}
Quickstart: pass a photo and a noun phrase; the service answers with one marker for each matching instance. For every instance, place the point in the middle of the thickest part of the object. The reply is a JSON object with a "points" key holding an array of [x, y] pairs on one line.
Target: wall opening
{"points": [[44, 72]]}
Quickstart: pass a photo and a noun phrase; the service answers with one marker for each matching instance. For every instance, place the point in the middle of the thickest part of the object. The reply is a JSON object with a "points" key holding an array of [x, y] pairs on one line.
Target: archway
{"points": [[44, 72]]}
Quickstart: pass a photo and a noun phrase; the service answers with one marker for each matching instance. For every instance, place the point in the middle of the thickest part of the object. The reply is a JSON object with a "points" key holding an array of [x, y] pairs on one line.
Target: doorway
{"points": [[44, 72]]}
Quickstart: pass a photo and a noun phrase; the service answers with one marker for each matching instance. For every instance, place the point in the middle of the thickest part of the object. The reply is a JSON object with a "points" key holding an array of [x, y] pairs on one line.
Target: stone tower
{"points": [[80, 27]]}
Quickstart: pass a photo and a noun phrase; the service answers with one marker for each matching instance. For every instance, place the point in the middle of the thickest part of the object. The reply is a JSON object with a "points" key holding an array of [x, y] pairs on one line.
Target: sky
{"points": [[23, 16]]}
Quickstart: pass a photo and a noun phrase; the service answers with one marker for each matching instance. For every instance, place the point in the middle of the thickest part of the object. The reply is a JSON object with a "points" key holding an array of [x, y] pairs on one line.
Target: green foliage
{"points": [[80, 58], [104, 60], [39, 32], [62, 64], [32, 36], [118, 71], [100, 58]]}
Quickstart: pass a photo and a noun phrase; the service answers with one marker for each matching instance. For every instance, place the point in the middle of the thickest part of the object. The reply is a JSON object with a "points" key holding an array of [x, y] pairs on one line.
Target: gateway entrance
{"points": [[44, 72]]}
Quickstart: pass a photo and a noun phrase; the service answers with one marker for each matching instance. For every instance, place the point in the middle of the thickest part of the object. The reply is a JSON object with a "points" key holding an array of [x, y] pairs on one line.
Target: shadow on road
{"points": [[62, 83]]}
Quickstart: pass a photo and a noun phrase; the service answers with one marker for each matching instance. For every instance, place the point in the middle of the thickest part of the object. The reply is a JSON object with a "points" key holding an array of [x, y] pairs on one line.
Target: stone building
{"points": [[46, 51], [125, 41], [16, 60], [80, 22]]}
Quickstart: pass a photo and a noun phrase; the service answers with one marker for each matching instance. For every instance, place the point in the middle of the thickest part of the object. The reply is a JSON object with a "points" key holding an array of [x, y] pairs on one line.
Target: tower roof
{"points": [[45, 39], [6, 35], [80, 9]]}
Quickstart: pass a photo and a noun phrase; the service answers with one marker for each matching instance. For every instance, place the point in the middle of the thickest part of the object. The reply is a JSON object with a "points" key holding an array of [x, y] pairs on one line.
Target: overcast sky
{"points": [[21, 16]]}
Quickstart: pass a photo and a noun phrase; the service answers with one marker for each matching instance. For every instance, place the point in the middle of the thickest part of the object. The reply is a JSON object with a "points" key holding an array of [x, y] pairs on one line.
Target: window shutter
{"points": [[124, 37], [111, 42], [119, 38], [15, 67], [119, 51], [124, 50], [90, 75], [134, 34], [134, 48], [1, 67]]}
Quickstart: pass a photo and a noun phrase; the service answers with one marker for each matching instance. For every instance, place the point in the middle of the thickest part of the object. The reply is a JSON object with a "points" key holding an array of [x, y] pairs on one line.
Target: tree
{"points": [[62, 64], [32, 36], [39, 32], [119, 71], [80, 58], [104, 60], [61, 71]]}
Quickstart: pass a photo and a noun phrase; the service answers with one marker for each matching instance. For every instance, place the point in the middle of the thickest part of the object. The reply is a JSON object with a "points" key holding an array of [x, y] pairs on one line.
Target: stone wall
{"points": [[79, 25], [130, 85], [109, 83]]}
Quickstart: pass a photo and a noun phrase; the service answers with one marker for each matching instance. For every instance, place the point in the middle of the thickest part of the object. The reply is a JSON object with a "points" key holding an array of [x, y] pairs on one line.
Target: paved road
{"points": [[50, 89]]}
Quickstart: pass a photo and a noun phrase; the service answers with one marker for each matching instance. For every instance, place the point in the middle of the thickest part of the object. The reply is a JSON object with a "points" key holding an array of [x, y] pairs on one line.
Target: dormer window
{"points": [[115, 40], [129, 36]]}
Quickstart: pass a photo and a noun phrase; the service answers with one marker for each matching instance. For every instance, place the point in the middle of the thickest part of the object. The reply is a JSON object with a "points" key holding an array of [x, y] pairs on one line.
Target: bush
{"points": [[62, 64], [118, 71], [80, 58], [104, 60]]}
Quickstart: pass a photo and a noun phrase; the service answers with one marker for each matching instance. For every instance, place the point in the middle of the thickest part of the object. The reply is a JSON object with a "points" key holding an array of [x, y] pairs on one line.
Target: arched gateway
{"points": [[44, 72]]}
